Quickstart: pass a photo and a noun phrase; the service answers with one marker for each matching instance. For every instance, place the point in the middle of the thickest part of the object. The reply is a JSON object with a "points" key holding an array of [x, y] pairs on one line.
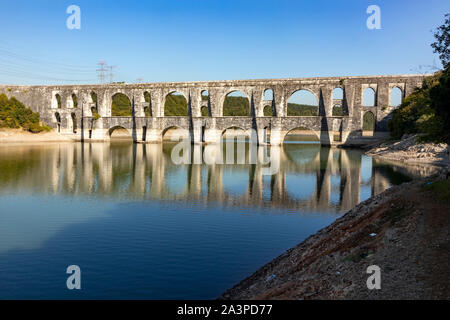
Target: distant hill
{"points": [[176, 105], [14, 114], [302, 110], [121, 106]]}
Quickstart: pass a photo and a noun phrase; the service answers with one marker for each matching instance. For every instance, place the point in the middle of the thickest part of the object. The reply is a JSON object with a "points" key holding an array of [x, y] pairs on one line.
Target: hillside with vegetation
{"points": [[426, 111], [121, 106], [176, 105], [236, 106], [14, 114], [302, 110], [368, 121]]}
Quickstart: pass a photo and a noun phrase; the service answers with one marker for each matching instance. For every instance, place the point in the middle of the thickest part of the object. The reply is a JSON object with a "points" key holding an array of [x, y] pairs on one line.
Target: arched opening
{"points": [[205, 95], [58, 100], [144, 133], [175, 105], [303, 103], [120, 134], [306, 158], [268, 95], [205, 109], [148, 104], [94, 109], [268, 111], [74, 100], [339, 103], [235, 183], [205, 112], [368, 124], [301, 187], [301, 135], [58, 121], [235, 145], [338, 94], [337, 110], [369, 98], [236, 104], [174, 134], [175, 179], [235, 133], [121, 105], [94, 97], [266, 136], [74, 122], [395, 98]]}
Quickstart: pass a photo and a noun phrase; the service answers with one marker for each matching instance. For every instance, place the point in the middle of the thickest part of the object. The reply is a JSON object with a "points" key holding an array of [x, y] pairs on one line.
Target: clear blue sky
{"points": [[189, 40]]}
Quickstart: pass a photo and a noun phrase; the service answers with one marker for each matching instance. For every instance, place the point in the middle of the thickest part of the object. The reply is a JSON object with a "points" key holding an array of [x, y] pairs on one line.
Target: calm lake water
{"points": [[140, 226]]}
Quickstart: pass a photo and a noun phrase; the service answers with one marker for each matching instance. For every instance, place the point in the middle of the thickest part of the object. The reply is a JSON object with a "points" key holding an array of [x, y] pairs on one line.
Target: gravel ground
{"points": [[410, 151], [404, 231]]}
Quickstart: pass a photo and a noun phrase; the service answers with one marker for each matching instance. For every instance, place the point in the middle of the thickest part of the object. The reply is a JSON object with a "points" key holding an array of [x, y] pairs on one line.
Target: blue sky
{"points": [[190, 40]]}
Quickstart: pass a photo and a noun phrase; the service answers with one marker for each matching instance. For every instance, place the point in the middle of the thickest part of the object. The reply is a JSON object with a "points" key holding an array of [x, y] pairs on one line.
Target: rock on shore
{"points": [[409, 150]]}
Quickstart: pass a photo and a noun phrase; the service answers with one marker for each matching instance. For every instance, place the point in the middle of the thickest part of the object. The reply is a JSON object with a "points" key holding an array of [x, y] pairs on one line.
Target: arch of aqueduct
{"points": [[61, 114]]}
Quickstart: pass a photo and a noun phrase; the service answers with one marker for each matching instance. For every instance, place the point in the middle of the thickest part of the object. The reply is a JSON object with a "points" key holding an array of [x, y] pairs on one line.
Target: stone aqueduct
{"points": [[61, 114]]}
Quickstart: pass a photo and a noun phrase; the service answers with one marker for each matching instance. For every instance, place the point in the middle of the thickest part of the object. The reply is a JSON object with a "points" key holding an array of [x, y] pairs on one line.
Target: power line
{"points": [[111, 74], [8, 65], [101, 71], [22, 75], [10, 54], [21, 66]]}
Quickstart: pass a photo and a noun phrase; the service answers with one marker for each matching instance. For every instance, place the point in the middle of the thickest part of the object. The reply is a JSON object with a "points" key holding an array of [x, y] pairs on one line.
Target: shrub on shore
{"points": [[14, 114]]}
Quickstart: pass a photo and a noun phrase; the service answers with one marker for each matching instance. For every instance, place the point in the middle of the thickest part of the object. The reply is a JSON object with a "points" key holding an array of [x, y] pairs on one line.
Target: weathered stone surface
{"points": [[208, 129], [410, 150]]}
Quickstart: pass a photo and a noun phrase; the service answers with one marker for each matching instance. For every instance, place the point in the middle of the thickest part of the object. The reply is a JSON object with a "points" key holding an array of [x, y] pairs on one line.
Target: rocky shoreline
{"points": [[21, 136], [404, 231], [409, 150]]}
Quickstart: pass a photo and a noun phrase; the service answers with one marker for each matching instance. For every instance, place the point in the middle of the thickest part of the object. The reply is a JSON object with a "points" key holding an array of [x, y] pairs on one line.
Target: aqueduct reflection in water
{"points": [[310, 177]]}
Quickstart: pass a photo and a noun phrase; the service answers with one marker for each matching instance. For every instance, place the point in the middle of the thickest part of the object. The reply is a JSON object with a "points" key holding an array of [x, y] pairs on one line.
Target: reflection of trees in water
{"points": [[310, 176], [302, 153]]}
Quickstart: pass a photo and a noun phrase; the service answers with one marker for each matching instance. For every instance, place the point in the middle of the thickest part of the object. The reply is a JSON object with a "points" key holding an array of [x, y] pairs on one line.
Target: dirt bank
{"points": [[404, 231], [21, 136], [410, 151]]}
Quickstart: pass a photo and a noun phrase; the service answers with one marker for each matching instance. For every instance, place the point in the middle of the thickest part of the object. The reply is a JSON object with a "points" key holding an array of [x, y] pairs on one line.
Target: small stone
{"points": [[271, 277]]}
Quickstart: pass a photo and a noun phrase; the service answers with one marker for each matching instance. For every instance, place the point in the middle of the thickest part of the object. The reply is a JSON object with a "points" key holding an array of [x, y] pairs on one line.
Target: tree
{"points": [[440, 96], [442, 43], [14, 114]]}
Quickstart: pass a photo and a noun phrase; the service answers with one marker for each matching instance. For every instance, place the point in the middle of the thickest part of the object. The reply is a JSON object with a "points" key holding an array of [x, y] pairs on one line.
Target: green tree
{"points": [[14, 114], [302, 110], [121, 106], [440, 102], [175, 105], [236, 106], [442, 43], [425, 111]]}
